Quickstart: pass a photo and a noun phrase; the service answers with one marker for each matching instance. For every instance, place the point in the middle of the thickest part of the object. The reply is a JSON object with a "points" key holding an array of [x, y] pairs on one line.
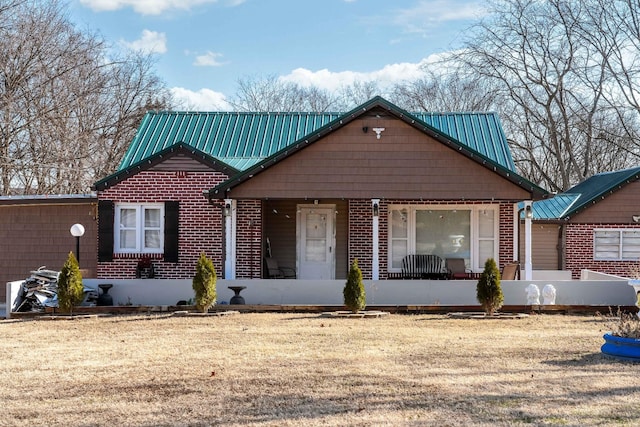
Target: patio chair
{"points": [[511, 271], [457, 269], [274, 271]]}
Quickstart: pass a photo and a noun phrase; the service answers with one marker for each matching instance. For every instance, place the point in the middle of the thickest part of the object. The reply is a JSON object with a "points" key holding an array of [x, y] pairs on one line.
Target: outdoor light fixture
{"points": [[375, 204], [77, 231], [226, 211], [378, 131], [528, 212]]}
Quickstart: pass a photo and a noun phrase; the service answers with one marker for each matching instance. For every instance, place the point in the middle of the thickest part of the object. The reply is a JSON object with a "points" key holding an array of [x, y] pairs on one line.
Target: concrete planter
{"points": [[621, 348]]}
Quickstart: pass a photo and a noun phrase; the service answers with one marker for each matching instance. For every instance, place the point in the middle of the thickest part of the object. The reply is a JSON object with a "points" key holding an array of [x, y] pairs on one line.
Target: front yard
{"points": [[302, 369]]}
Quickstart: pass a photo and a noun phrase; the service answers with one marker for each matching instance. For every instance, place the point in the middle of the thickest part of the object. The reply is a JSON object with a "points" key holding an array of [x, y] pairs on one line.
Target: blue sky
{"points": [[205, 46]]}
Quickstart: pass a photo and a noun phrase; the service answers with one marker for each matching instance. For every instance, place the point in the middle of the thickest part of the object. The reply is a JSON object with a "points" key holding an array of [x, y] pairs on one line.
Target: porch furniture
{"points": [[457, 269], [511, 271], [236, 298], [424, 266], [274, 271]]}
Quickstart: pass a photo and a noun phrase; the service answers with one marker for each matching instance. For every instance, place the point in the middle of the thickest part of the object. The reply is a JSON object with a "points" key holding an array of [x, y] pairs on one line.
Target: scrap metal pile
{"points": [[40, 290]]}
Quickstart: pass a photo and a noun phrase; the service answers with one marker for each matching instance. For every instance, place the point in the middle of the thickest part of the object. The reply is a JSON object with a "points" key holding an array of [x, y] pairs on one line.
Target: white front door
{"points": [[316, 251]]}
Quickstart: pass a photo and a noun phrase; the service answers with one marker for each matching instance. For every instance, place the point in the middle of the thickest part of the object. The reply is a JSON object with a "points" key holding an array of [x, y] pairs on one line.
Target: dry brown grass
{"points": [[303, 370]]}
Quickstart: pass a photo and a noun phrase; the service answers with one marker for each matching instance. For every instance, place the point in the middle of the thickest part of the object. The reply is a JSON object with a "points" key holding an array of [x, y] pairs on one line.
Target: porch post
{"points": [[375, 260], [229, 212], [528, 214]]}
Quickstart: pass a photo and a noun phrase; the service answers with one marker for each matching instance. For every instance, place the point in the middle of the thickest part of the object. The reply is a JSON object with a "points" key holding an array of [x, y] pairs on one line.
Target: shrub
{"points": [[70, 288], [204, 283], [354, 294], [489, 292], [626, 326]]}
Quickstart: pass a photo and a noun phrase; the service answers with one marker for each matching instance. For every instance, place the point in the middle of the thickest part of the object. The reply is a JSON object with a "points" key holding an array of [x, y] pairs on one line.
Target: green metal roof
{"points": [[242, 140], [583, 195]]}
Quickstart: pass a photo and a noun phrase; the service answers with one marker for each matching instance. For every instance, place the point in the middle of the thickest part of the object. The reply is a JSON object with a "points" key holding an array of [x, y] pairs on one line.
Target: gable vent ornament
{"points": [[378, 131]]}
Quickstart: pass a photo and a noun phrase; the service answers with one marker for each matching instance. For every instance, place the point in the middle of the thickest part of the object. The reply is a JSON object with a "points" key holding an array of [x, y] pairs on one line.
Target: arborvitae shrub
{"points": [[354, 294], [70, 288], [489, 292], [204, 283]]}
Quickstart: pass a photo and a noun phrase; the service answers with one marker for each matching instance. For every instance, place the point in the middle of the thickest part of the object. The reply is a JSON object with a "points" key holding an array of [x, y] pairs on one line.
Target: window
{"points": [[616, 244], [468, 232], [139, 228]]}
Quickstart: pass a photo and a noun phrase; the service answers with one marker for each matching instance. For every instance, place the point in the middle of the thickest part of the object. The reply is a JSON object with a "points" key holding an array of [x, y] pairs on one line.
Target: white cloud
{"points": [[429, 13], [202, 100], [209, 59], [147, 7], [149, 42], [385, 77]]}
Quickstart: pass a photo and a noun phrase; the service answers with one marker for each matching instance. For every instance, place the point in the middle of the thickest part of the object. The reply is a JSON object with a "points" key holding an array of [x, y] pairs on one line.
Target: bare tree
{"points": [[271, 93], [67, 110], [550, 84]]}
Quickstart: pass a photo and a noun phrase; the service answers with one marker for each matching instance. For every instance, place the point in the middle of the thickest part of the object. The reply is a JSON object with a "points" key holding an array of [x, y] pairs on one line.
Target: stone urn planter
{"points": [[621, 348]]}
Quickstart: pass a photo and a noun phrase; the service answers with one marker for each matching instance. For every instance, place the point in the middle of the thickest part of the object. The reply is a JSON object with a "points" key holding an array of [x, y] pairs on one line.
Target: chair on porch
{"points": [[457, 269], [511, 271], [274, 271]]}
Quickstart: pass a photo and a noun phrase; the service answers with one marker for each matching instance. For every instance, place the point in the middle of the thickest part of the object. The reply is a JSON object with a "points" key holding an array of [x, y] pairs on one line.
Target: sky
{"points": [[204, 46]]}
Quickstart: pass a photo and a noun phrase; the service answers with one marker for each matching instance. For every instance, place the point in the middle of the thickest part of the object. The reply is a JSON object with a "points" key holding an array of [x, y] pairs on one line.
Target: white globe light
{"points": [[77, 230]]}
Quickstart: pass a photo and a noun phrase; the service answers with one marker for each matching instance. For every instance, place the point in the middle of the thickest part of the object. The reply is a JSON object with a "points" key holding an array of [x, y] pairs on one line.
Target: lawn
{"points": [[305, 370]]}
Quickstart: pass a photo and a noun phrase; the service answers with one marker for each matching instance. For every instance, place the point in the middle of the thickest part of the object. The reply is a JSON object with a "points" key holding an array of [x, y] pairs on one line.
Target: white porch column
{"points": [[229, 212], [528, 214], [375, 259]]}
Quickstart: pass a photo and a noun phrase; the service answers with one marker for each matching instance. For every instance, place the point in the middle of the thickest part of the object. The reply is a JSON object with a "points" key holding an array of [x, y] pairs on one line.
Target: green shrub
{"points": [[204, 283], [489, 292], [70, 288], [354, 294]]}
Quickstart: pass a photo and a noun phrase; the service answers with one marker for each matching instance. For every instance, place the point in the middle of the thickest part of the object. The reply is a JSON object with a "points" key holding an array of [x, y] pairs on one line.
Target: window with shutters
{"points": [[139, 228]]}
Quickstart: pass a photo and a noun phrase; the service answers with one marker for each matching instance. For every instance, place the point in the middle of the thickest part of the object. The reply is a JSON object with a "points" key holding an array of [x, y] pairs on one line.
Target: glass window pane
{"points": [[316, 250], [443, 232], [127, 239], [127, 218], [398, 251], [152, 218], [152, 239], [399, 223], [486, 223], [486, 251], [316, 225]]}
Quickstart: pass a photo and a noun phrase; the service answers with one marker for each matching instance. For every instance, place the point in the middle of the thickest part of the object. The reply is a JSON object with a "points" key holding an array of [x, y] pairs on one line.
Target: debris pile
{"points": [[40, 290]]}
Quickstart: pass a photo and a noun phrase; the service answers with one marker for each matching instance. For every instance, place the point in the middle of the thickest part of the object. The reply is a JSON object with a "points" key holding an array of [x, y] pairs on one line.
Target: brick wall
{"points": [[579, 252], [249, 239], [200, 223]]}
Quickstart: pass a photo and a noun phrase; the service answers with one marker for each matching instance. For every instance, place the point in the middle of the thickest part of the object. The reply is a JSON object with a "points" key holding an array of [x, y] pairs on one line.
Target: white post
{"points": [[375, 261], [229, 212], [528, 214]]}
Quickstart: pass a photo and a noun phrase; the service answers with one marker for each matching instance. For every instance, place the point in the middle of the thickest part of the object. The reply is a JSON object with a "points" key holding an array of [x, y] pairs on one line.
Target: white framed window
{"points": [[449, 231], [139, 228], [616, 244]]}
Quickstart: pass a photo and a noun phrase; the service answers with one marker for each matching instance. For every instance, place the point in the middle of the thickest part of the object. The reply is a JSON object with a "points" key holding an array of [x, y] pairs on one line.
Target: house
{"points": [[594, 225], [312, 190]]}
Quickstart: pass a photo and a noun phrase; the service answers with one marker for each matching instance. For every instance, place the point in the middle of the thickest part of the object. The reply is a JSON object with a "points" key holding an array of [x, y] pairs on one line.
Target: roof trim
{"points": [[220, 190], [159, 157]]}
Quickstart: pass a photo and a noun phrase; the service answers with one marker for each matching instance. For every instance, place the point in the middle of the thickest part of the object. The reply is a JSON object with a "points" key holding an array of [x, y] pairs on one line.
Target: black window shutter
{"points": [[171, 210], [105, 230]]}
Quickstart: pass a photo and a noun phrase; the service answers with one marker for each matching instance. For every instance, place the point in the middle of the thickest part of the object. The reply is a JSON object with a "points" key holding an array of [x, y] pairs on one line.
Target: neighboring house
{"points": [[596, 225], [314, 190], [35, 233]]}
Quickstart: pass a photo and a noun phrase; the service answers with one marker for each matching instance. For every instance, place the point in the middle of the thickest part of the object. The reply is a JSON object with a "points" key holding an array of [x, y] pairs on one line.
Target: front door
{"points": [[316, 247]]}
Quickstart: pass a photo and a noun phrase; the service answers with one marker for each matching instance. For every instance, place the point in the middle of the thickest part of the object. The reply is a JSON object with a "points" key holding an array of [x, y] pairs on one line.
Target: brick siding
{"points": [[201, 223]]}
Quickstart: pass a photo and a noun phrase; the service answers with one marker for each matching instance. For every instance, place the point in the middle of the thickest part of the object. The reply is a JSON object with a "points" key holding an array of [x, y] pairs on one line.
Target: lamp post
{"points": [[77, 230]]}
